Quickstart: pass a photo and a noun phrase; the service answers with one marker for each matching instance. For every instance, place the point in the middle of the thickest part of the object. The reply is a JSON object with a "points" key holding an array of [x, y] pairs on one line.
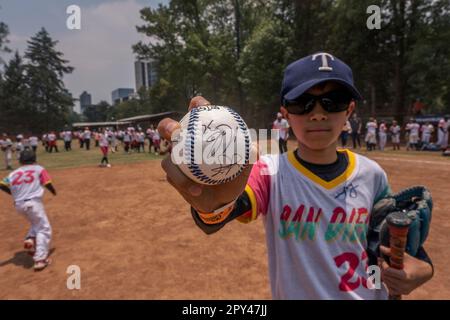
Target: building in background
{"points": [[145, 73], [85, 101], [121, 94]]}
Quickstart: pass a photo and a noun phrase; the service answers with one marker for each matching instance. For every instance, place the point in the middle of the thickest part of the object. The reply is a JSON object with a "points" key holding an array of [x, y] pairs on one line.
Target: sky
{"points": [[100, 51]]}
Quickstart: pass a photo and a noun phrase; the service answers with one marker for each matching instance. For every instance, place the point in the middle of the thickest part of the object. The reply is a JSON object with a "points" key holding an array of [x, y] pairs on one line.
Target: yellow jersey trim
{"points": [[326, 184]]}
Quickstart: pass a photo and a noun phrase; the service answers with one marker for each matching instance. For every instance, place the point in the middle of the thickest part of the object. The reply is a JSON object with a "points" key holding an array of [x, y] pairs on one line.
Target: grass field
{"points": [[81, 157]]}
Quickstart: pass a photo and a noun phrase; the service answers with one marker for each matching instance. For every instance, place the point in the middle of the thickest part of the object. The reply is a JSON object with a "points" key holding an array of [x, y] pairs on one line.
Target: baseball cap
{"points": [[27, 156], [309, 71]]}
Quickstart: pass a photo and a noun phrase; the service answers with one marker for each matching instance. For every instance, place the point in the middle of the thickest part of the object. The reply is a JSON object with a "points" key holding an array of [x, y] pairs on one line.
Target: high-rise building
{"points": [[121, 94], [145, 73], [85, 101]]}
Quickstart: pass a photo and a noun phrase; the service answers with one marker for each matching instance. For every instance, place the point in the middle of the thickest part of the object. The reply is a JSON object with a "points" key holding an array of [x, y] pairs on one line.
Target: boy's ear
{"points": [[284, 112], [351, 107]]}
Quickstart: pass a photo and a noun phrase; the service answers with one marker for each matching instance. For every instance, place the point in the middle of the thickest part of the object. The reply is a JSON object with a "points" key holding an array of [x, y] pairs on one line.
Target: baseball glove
{"points": [[418, 205]]}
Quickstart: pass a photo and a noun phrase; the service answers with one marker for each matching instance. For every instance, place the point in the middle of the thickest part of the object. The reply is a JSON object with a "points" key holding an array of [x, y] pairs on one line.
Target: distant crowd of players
{"points": [[130, 140], [416, 136]]}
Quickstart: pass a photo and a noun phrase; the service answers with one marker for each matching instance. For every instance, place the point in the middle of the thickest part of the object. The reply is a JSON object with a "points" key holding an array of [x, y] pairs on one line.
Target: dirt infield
{"points": [[133, 238]]}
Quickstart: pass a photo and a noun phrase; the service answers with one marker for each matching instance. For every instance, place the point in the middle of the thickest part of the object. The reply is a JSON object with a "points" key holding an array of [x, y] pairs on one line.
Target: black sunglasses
{"points": [[333, 101]]}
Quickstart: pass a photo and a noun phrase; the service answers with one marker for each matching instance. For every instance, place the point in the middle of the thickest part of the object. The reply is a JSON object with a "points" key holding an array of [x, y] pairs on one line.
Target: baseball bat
{"points": [[398, 224]]}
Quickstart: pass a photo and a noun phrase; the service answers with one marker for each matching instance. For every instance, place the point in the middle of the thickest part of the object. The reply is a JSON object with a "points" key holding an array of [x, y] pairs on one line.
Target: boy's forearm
{"points": [[50, 188], [241, 207], [5, 188]]}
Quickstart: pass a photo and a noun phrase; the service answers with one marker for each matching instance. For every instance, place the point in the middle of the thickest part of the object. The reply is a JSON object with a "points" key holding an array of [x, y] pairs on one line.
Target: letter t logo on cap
{"points": [[325, 66]]}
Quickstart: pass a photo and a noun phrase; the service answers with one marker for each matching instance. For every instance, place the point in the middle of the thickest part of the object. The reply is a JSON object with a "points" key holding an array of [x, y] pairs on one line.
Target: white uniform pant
{"points": [[413, 138], [442, 139], [396, 138], [383, 138], [8, 158], [33, 211], [426, 138]]}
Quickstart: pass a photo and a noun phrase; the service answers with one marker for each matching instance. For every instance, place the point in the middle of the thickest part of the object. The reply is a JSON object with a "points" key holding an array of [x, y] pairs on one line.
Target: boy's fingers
{"points": [[166, 127], [385, 250], [179, 180], [198, 101], [395, 274]]}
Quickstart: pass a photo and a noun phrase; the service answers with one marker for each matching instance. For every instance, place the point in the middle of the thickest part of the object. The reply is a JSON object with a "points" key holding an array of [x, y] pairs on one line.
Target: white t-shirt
{"points": [[26, 182], [316, 230], [281, 127]]}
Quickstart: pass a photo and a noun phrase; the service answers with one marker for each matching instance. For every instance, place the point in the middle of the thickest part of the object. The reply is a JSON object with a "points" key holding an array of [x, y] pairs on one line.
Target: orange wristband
{"points": [[218, 215]]}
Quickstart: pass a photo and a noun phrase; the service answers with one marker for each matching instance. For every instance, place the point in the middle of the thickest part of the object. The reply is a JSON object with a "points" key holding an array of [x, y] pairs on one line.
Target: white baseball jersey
{"points": [[383, 130], [67, 136], [156, 136], [26, 182], [371, 127], [51, 137], [281, 126], [33, 141], [7, 143], [414, 128], [395, 129], [103, 140], [427, 129], [316, 230], [87, 134]]}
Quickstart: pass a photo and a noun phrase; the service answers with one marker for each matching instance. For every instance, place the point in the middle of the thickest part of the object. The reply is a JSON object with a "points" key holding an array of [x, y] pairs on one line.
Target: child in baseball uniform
{"points": [[371, 136], [7, 146], [382, 134], [395, 135], [315, 201], [104, 147], [413, 128], [156, 141], [26, 187], [34, 142]]}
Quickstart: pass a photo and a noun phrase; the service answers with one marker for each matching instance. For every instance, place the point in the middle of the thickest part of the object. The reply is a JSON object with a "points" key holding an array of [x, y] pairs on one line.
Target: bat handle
{"points": [[398, 224]]}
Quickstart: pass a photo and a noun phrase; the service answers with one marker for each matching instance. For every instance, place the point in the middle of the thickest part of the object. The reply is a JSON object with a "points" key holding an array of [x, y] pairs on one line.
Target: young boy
{"points": [[395, 134], [315, 201], [104, 147], [25, 186]]}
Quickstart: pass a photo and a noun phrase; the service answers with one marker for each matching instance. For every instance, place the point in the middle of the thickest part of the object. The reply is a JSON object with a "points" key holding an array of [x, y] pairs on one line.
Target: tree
{"points": [[4, 31], [45, 71], [234, 51], [97, 112], [16, 110]]}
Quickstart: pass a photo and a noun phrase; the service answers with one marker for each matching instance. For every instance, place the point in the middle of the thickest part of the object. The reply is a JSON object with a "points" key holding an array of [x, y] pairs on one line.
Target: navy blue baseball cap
{"points": [[307, 72]]}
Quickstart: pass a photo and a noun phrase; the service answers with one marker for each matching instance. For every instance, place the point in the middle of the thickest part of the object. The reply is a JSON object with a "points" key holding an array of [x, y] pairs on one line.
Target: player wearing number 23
{"points": [[26, 187], [316, 201]]}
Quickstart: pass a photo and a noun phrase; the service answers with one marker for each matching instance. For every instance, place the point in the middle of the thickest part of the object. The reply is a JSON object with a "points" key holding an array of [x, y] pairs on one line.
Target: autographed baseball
{"points": [[212, 146]]}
